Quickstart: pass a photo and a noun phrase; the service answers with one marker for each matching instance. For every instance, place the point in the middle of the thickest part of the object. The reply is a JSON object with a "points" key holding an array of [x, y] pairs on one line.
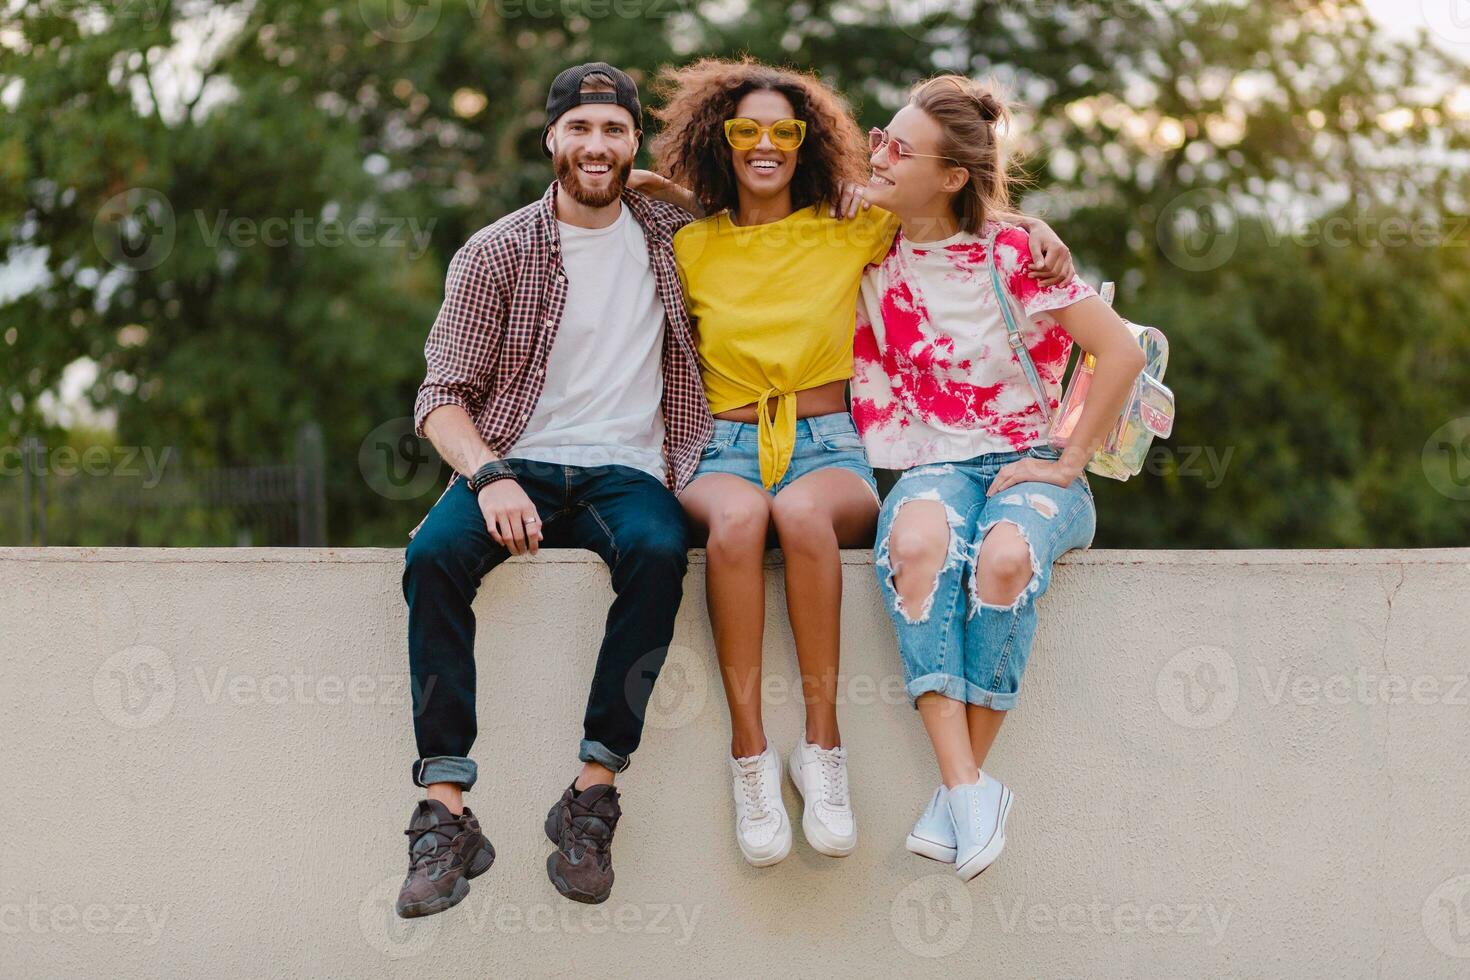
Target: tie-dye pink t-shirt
{"points": [[934, 378]]}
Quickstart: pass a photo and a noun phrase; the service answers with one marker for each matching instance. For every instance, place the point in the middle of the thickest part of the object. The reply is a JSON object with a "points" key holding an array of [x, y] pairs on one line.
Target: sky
{"points": [[1448, 21]]}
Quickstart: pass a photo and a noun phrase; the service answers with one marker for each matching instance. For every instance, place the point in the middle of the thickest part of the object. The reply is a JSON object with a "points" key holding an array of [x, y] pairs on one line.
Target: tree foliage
{"points": [[1277, 185]]}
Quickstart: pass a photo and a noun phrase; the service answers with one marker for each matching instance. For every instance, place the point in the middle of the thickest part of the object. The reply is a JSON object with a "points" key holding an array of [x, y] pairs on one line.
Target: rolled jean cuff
{"points": [[959, 689], [446, 769], [597, 752]]}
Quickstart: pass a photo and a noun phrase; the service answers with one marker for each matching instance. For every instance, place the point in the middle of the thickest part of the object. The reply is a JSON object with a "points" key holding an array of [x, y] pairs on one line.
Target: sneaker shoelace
{"points": [[585, 823], [752, 783], [444, 834], [834, 776]]}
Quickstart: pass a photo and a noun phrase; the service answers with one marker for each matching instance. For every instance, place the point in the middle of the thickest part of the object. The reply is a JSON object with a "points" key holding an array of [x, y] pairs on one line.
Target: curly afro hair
{"points": [[697, 99]]}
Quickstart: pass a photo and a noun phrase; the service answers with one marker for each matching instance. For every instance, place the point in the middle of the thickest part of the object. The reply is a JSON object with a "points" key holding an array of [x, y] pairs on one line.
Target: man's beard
{"points": [[571, 180]]}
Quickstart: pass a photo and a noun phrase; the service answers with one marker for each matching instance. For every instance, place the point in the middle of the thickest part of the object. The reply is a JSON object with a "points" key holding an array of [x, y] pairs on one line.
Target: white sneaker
{"points": [[933, 833], [979, 812], [761, 826], [820, 776]]}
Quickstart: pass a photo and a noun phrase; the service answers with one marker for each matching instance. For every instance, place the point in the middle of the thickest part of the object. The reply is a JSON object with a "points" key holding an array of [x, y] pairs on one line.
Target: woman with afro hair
{"points": [[773, 157]]}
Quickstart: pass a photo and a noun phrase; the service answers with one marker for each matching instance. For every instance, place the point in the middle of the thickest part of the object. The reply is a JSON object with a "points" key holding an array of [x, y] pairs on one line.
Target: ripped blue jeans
{"points": [[964, 648]]}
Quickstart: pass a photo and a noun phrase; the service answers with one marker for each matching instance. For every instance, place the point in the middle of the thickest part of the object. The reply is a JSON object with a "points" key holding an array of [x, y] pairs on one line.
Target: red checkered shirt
{"points": [[503, 302]]}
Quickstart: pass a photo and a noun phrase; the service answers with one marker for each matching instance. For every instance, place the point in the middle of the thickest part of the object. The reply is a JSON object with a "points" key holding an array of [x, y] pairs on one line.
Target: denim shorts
{"points": [[822, 442], [955, 644]]}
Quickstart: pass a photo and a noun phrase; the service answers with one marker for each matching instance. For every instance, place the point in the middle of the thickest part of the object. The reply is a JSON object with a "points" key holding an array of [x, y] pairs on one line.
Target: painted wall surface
{"points": [[1242, 764]]}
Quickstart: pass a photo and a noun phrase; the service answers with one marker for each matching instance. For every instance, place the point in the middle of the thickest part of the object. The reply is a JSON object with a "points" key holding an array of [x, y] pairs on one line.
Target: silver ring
{"points": [[532, 520]]}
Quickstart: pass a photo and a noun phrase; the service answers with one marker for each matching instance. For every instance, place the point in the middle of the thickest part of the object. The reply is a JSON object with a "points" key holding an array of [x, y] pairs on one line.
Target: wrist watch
{"points": [[496, 469]]}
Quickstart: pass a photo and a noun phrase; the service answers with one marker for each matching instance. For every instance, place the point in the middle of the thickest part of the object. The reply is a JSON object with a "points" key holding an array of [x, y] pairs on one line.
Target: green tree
{"points": [[1195, 152]]}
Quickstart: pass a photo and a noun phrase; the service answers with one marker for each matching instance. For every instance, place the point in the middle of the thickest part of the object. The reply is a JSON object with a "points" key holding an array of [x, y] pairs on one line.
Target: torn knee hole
{"points": [[902, 603], [1004, 570], [905, 593], [1042, 504], [1039, 502]]}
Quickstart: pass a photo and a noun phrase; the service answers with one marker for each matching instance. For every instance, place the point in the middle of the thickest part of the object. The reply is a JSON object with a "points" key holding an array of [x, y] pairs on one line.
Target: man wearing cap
{"points": [[563, 389]]}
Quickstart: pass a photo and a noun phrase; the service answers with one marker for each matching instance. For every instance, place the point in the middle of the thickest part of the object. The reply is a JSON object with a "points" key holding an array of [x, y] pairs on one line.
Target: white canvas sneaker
{"points": [[979, 812], [933, 833], [762, 828], [820, 776]]}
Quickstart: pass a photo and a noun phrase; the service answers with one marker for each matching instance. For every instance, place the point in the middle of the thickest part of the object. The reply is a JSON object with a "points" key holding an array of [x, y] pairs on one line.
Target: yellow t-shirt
{"points": [[773, 307]]}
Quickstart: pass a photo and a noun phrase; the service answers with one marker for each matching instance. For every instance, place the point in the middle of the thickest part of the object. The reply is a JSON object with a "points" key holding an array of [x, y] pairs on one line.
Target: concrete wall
{"points": [[1240, 764]]}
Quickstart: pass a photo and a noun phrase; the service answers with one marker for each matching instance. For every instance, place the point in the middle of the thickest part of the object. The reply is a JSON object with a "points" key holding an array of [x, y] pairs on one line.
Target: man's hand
{"points": [[510, 517], [1051, 260]]}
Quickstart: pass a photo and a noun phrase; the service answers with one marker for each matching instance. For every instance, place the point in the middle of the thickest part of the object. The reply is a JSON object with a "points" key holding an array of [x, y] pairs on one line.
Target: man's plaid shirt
{"points": [[503, 302]]}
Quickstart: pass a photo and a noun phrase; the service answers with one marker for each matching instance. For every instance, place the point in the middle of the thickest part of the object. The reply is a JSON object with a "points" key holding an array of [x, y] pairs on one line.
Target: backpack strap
{"points": [[1013, 332]]}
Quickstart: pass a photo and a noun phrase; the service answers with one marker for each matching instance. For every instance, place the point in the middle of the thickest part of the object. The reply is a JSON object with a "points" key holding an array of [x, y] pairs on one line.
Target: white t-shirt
{"points": [[604, 376], [934, 376]]}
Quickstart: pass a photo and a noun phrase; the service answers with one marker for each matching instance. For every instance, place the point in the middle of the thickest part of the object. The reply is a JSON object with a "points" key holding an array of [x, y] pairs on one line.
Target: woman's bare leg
{"points": [[815, 516], [1002, 571], [944, 720], [918, 542], [984, 725], [734, 516]]}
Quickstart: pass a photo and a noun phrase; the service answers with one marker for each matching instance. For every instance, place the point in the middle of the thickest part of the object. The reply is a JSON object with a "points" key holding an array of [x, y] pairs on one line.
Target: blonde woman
{"points": [[967, 537]]}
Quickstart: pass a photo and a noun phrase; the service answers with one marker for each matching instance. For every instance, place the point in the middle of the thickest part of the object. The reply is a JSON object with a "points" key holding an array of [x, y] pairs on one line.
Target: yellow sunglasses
{"points": [[745, 134]]}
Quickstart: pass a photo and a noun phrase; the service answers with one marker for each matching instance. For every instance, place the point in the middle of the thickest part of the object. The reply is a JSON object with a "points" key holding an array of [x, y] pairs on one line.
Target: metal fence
{"points": [[52, 496]]}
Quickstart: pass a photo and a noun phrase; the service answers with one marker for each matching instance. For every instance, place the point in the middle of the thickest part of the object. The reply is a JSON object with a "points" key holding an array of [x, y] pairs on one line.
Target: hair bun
{"points": [[988, 106]]}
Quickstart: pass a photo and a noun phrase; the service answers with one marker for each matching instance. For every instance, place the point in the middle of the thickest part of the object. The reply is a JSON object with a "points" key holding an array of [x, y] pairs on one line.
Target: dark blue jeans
{"points": [[625, 515]]}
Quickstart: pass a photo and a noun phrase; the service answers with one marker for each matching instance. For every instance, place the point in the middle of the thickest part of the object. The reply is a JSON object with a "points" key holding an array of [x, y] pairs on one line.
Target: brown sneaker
{"points": [[443, 851], [581, 826]]}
